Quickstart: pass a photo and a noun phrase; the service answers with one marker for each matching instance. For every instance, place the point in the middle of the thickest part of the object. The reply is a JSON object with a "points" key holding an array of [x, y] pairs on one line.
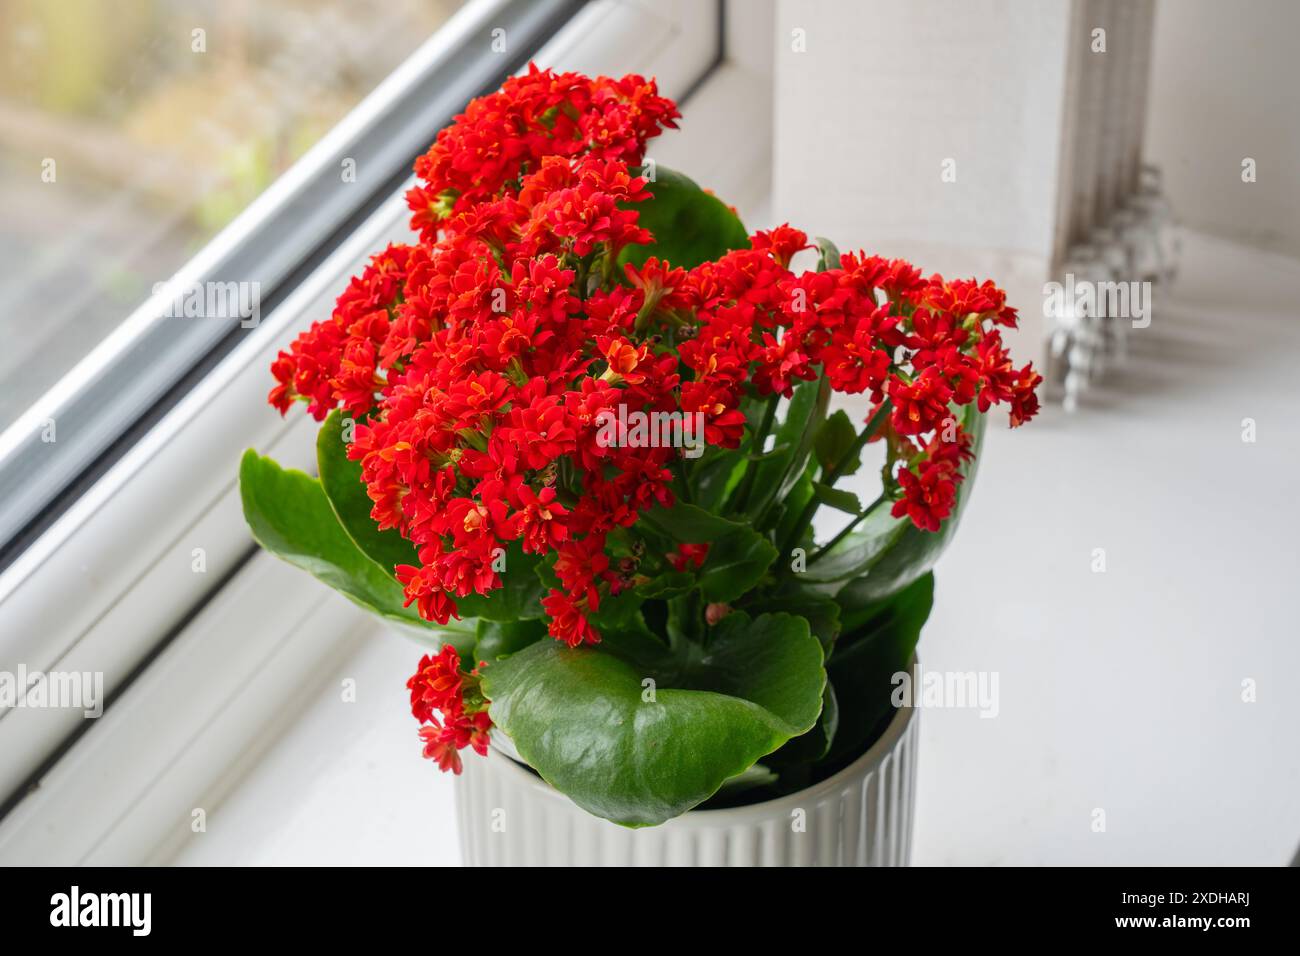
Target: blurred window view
{"points": [[132, 131]]}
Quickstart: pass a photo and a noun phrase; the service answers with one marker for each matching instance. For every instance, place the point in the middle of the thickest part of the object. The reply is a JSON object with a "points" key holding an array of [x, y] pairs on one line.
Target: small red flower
{"points": [[568, 622], [688, 556], [919, 405], [436, 684], [928, 496]]}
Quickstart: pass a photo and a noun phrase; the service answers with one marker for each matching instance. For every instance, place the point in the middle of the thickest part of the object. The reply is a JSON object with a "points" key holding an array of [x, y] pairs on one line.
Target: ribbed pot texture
{"points": [[862, 816]]}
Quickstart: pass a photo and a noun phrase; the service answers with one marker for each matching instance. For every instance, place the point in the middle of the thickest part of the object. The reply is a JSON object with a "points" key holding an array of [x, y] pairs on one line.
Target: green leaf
{"points": [[290, 516], [738, 555], [735, 563], [618, 612], [715, 475], [837, 498], [770, 453], [792, 762], [778, 474], [689, 225], [520, 594], [834, 439], [791, 507], [886, 554], [828, 256], [877, 642], [341, 479], [584, 720], [821, 611], [496, 639], [666, 586], [751, 779]]}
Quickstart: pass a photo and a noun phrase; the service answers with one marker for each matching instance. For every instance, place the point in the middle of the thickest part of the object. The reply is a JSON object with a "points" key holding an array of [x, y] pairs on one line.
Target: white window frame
{"points": [[203, 668]]}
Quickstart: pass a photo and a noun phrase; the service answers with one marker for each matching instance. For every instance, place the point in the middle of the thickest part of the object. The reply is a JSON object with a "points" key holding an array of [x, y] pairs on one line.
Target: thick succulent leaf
{"points": [[290, 516], [715, 475], [753, 778], [837, 498], [779, 473], [618, 612], [834, 439], [341, 479], [821, 611], [496, 639], [639, 753], [886, 554], [789, 509], [738, 555], [828, 255], [669, 585], [793, 762], [877, 642], [689, 225]]}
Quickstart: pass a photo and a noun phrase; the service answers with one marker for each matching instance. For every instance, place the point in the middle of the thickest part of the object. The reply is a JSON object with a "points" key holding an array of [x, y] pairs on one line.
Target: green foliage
{"points": [[877, 642], [638, 735], [290, 516], [834, 439], [689, 225], [738, 557]]}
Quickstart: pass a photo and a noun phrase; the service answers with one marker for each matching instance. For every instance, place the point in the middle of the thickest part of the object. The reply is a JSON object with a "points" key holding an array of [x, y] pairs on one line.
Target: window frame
{"points": [[131, 380], [149, 622]]}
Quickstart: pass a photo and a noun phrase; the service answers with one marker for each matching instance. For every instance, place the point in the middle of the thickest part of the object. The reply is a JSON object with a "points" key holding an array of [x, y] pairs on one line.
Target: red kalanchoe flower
{"points": [[443, 743], [436, 684], [928, 495], [568, 622], [920, 405], [463, 721], [688, 556]]}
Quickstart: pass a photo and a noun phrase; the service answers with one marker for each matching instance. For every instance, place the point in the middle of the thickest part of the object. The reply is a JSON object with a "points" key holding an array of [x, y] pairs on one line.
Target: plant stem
{"points": [[683, 485], [832, 476], [756, 448], [844, 533]]}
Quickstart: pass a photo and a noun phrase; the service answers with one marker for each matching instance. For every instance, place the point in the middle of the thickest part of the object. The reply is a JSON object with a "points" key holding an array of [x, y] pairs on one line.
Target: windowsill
{"points": [[344, 784], [1118, 691]]}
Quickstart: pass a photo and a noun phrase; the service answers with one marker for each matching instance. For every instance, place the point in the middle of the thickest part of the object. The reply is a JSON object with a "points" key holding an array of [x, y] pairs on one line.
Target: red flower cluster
{"points": [[482, 360], [439, 685], [542, 114], [870, 325]]}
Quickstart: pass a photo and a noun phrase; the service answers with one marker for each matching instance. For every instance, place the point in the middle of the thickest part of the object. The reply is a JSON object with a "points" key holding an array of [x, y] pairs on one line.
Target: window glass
{"points": [[132, 131]]}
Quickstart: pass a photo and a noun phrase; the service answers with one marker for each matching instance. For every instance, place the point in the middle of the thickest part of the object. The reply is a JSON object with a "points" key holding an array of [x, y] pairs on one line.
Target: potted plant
{"points": [[574, 437]]}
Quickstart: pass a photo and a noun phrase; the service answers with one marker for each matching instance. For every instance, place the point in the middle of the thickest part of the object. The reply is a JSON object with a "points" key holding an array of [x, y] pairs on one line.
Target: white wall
{"points": [[1226, 85], [886, 92]]}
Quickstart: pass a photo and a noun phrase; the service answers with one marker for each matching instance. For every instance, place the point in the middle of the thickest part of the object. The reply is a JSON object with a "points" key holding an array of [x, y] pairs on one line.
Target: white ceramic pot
{"points": [[862, 816]]}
